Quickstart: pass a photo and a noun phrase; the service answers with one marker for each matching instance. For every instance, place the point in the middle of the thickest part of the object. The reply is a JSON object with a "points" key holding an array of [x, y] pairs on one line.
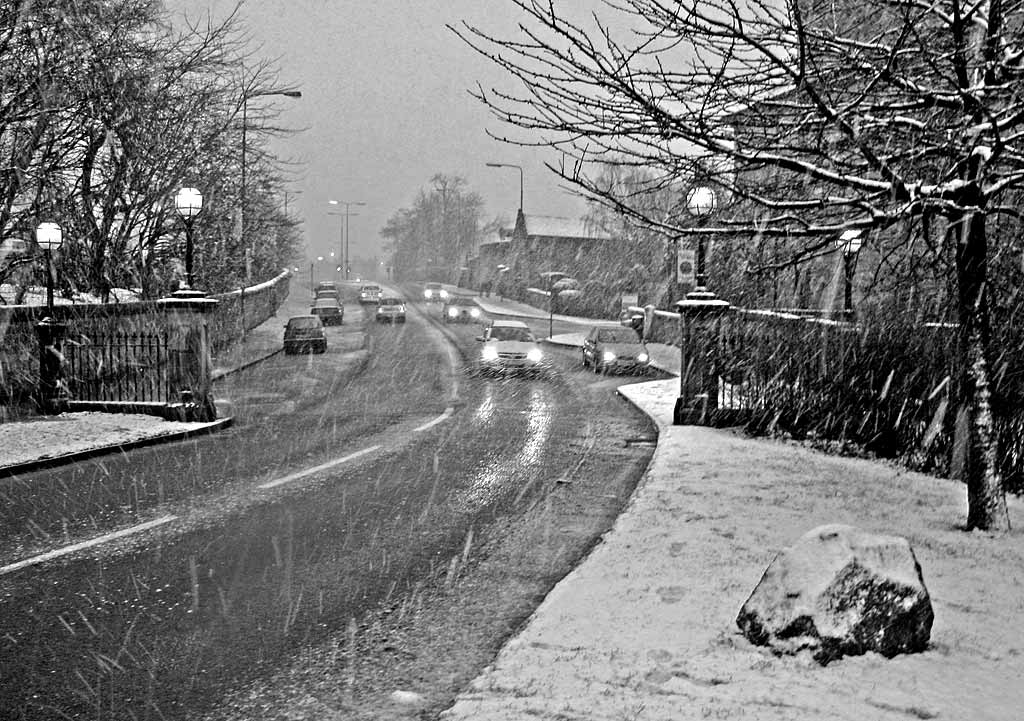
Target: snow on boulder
{"points": [[840, 591]]}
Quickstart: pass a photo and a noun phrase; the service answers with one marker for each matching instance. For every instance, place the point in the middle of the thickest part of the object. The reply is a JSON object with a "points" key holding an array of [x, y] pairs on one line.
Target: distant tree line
{"points": [[434, 237], [106, 109]]}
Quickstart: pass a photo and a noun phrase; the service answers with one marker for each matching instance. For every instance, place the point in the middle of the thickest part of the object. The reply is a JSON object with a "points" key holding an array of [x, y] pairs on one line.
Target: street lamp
{"points": [[51, 391], [517, 167], [49, 236], [849, 244], [245, 117], [560, 285], [189, 203], [699, 315], [700, 203], [346, 261]]}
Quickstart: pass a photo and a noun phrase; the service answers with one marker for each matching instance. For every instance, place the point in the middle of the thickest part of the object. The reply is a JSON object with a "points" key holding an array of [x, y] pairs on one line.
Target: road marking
{"points": [[440, 419], [317, 469], [86, 544]]}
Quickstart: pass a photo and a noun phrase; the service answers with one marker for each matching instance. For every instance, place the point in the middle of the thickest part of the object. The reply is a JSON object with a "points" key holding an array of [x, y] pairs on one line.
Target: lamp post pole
{"points": [[849, 245], [189, 203], [699, 315], [517, 167], [242, 193], [52, 393], [348, 205]]}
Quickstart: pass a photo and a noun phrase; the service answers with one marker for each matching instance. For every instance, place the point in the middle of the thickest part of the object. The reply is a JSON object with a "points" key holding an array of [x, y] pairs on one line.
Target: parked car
{"points": [[434, 293], [391, 310], [370, 293], [304, 334], [328, 309], [509, 345], [609, 348], [460, 309]]}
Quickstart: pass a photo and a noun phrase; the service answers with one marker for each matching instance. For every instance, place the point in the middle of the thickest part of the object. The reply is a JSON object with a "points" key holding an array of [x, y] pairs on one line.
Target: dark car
{"points": [[610, 348], [328, 309], [460, 309], [305, 334], [391, 310]]}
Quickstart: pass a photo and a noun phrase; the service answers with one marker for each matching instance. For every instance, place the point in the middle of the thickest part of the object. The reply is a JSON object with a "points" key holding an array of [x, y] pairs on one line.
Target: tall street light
{"points": [[189, 203], [849, 243], [517, 167], [51, 390], [245, 119], [346, 259]]}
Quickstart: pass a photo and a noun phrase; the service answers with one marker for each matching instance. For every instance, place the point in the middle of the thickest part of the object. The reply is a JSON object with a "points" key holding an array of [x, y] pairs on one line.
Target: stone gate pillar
{"points": [[190, 396], [700, 315]]}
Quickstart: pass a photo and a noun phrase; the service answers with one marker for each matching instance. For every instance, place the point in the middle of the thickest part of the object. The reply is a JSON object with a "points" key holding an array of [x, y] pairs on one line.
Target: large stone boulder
{"points": [[840, 591]]}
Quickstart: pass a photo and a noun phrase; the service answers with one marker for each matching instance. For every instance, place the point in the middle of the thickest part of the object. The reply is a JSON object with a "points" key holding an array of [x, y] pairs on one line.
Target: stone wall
{"points": [[19, 345]]}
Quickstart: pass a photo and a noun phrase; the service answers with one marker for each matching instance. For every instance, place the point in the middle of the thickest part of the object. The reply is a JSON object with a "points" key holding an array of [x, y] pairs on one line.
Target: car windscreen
{"points": [[517, 334], [326, 303], [391, 301], [617, 335], [461, 301], [304, 323]]}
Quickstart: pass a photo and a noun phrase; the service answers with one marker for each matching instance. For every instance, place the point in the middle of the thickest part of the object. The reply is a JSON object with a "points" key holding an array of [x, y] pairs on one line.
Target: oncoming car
{"points": [[460, 309], [508, 345], [304, 334], [391, 310], [369, 294], [434, 293], [614, 349]]}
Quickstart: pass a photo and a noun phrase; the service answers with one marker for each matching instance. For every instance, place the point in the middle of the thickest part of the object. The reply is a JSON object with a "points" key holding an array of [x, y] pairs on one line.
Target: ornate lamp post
{"points": [[49, 237], [189, 203], [699, 315], [849, 244], [52, 392]]}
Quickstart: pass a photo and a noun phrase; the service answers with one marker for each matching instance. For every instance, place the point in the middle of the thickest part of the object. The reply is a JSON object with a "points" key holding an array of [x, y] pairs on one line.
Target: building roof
{"points": [[551, 226]]}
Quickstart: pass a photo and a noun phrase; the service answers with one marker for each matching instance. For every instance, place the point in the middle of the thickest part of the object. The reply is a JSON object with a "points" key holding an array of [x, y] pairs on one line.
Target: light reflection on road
{"points": [[504, 471]]}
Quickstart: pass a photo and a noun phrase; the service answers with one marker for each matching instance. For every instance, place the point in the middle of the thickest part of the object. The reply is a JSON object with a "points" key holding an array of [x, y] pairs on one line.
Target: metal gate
{"points": [[118, 367]]}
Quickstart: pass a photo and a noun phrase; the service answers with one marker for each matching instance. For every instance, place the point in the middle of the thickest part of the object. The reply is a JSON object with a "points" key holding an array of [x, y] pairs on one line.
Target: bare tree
{"points": [[811, 119]]}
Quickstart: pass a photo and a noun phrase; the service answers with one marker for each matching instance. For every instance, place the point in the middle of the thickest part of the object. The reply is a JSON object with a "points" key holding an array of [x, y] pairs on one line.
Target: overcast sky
{"points": [[385, 106]]}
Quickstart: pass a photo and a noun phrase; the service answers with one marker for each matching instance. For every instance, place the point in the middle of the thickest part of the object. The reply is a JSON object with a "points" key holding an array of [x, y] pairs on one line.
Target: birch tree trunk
{"points": [[986, 500]]}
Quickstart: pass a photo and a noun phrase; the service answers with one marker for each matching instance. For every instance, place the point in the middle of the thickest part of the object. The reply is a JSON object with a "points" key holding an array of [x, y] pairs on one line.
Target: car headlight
{"points": [[489, 353], [426, 293], [475, 312], [443, 293], [534, 355], [453, 312], [642, 357], [608, 356]]}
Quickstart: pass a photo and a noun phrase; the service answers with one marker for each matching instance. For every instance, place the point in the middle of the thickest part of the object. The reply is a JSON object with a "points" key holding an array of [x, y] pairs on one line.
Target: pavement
{"points": [[644, 627]]}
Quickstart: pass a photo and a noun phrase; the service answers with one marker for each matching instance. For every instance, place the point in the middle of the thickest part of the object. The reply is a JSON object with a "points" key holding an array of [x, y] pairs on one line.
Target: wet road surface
{"points": [[347, 477]]}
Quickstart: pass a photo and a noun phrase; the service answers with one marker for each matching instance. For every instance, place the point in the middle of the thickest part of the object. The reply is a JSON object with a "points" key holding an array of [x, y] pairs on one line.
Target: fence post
{"points": [[52, 395], [188, 350], [699, 318]]}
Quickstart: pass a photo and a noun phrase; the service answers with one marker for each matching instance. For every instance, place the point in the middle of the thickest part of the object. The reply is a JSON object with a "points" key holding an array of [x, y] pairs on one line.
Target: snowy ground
{"points": [[645, 627], [74, 432]]}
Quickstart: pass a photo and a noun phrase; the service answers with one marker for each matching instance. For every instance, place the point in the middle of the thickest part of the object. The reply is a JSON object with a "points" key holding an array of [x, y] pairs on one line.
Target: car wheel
{"points": [[597, 366]]}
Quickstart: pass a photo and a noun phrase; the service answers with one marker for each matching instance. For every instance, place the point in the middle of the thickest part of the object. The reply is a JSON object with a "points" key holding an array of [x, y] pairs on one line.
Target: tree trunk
{"points": [[986, 500]]}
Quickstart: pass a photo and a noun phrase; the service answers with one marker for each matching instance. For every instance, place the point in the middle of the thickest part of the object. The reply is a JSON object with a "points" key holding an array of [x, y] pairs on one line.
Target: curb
{"points": [[218, 374], [45, 463]]}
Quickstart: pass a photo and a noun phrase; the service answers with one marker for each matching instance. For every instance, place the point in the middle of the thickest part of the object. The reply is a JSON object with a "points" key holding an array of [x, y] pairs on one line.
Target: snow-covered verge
{"points": [[69, 433], [645, 627]]}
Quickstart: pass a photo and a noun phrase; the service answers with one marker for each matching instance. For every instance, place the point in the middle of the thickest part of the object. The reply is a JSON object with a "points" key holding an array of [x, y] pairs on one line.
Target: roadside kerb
{"points": [[54, 461]]}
